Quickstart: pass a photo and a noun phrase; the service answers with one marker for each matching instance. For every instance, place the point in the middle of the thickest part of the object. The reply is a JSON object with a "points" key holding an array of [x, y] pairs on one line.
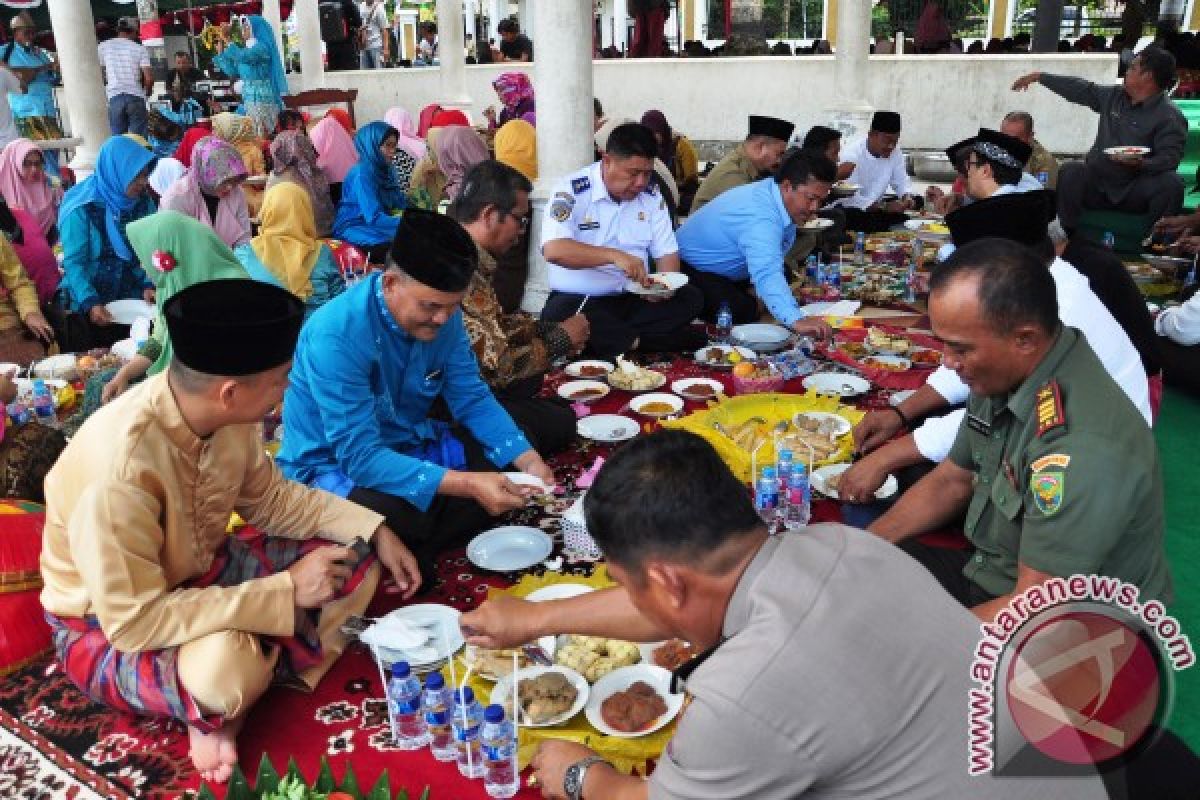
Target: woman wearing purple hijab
{"points": [[677, 152]]}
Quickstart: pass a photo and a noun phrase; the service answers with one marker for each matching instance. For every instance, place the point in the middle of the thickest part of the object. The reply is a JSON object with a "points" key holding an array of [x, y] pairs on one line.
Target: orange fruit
{"points": [[744, 369]]}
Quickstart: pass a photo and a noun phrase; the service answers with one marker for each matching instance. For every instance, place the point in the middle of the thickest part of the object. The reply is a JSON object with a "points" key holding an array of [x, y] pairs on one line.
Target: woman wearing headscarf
{"points": [[677, 152], [449, 118], [372, 201], [343, 118], [211, 191], [425, 120], [183, 153], [288, 253], [98, 264], [35, 253], [410, 148], [428, 182], [260, 69], [242, 133], [458, 149], [24, 331], [336, 153], [163, 135], [176, 251], [516, 145], [294, 159], [24, 185], [516, 95]]}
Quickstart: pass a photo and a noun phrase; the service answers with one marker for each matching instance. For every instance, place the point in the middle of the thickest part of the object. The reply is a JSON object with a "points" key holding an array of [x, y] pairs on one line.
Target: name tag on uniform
{"points": [[433, 376], [979, 425], [589, 225]]}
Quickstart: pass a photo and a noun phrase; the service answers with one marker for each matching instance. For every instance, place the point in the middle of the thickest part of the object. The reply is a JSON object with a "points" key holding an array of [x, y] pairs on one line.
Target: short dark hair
{"points": [[488, 183], [597, 109], [1161, 65], [1004, 174], [288, 117], [667, 495], [632, 139], [183, 53], [509, 25], [801, 165], [1023, 117], [819, 137], [1015, 287]]}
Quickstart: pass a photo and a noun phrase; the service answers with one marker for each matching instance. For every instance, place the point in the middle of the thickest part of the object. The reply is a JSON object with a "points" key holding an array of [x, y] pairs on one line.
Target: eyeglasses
{"points": [[523, 221]]}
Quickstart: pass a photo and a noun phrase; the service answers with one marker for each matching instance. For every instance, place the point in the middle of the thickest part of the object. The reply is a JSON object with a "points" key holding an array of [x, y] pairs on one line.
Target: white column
{"points": [[562, 80], [852, 113], [450, 54], [699, 20], [83, 87], [527, 18], [270, 12], [497, 10], [621, 18], [308, 30]]}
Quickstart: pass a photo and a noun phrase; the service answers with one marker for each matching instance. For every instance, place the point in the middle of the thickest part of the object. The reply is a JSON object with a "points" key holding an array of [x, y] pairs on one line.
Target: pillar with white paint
{"points": [[852, 114], [83, 84], [308, 31], [450, 54]]}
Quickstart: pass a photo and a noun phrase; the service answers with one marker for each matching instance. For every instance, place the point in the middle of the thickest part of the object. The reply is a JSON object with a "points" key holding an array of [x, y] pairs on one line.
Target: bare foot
{"points": [[215, 754]]}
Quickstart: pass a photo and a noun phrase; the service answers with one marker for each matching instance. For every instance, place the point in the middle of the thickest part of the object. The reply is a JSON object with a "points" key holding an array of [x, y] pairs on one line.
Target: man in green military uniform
{"points": [[755, 158], [1054, 465]]}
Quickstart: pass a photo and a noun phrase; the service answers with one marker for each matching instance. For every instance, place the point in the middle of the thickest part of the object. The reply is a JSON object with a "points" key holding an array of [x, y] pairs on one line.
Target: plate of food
{"points": [[881, 341], [509, 548], [492, 665], [656, 405], [547, 695], [632, 378], [817, 224], [1169, 264], [590, 369], [762, 337], [887, 363], [825, 480], [855, 350], [129, 310], [722, 356], [633, 701], [698, 388], [843, 189], [822, 422], [607, 428], [532, 481], [593, 657], [925, 357], [583, 391], [1127, 151], [662, 283], [424, 635], [836, 383], [670, 655]]}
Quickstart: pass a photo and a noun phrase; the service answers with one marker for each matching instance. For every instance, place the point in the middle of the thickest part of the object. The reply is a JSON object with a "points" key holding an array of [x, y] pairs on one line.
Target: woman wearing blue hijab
{"points": [[372, 196], [98, 264], [258, 65]]}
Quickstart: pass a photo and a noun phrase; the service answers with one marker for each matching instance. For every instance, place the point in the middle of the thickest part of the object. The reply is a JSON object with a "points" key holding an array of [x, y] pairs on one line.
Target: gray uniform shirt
{"points": [[845, 673], [1155, 123]]}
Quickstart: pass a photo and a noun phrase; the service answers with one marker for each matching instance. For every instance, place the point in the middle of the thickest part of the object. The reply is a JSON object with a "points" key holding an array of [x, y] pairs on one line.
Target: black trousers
{"points": [[946, 565], [618, 320], [547, 422], [1155, 196], [718, 289], [872, 221], [1181, 365]]}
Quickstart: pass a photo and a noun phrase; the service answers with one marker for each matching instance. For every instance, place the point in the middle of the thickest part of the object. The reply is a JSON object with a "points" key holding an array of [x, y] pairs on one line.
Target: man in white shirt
{"points": [[600, 230], [1022, 218], [127, 79], [875, 163], [374, 33], [1178, 332]]}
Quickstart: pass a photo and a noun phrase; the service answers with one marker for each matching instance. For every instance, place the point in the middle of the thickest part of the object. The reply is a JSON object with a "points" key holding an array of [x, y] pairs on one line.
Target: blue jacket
{"points": [[360, 394], [744, 233], [364, 213]]}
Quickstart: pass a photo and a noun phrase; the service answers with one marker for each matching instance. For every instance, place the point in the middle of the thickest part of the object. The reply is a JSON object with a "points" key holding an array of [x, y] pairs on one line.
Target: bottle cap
{"points": [[465, 695], [400, 669], [493, 713], [435, 681], [785, 455]]}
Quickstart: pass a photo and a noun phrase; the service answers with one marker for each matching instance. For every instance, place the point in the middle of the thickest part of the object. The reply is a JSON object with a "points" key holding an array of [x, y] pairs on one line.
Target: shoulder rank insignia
{"points": [[1047, 483], [1049, 408], [581, 184]]}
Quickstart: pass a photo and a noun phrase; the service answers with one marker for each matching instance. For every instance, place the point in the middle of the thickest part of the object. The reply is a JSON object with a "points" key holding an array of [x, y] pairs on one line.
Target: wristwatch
{"points": [[573, 777]]}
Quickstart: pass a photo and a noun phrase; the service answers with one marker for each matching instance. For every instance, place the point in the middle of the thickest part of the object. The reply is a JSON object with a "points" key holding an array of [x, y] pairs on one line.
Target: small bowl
{"points": [[583, 391], [686, 387], [759, 385], [639, 403], [621, 679], [502, 693], [580, 369]]}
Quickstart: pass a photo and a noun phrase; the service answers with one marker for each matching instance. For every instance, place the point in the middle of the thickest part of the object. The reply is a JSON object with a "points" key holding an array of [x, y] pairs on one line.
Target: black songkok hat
{"points": [[1022, 218], [434, 250], [994, 146], [233, 327], [886, 122], [771, 126]]}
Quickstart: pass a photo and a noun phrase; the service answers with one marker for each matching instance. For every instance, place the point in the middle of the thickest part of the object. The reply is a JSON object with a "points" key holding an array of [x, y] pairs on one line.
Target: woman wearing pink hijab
{"points": [[402, 121], [24, 186], [335, 153], [458, 149]]}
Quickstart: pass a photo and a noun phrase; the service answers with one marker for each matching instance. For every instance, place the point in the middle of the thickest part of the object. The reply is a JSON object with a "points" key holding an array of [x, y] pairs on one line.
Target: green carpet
{"points": [[1191, 152], [1176, 430]]}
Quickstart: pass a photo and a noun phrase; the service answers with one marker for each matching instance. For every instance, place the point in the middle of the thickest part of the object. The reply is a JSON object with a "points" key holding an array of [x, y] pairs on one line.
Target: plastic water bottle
{"points": [[724, 323], [499, 745], [784, 467], [437, 703], [43, 404], [404, 706], [797, 507], [466, 732], [1044, 179], [766, 496], [1110, 241], [860, 249], [910, 283], [812, 270]]}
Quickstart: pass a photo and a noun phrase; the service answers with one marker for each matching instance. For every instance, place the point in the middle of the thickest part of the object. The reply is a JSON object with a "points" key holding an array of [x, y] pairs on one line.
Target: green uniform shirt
{"points": [[1042, 161], [734, 170], [1067, 478]]}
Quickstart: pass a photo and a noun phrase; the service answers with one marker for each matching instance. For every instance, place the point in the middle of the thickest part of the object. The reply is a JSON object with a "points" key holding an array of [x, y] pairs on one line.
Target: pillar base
{"points": [[536, 287], [852, 119]]}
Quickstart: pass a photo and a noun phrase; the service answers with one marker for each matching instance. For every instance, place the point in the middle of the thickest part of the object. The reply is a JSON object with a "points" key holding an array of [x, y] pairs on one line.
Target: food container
{"points": [[757, 385], [61, 366]]}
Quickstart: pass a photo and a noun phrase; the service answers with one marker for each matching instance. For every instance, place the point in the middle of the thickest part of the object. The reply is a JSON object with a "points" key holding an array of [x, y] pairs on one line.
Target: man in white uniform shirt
{"points": [[1022, 218], [600, 230], [127, 79], [878, 165]]}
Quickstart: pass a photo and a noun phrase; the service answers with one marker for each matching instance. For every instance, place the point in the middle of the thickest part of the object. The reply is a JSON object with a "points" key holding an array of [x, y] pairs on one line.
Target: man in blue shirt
{"points": [[369, 365], [741, 237]]}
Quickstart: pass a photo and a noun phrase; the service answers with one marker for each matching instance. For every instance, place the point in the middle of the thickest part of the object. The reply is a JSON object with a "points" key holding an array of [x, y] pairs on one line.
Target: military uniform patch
{"points": [[581, 184], [1060, 460], [1049, 408], [1047, 489], [570, 198], [560, 210]]}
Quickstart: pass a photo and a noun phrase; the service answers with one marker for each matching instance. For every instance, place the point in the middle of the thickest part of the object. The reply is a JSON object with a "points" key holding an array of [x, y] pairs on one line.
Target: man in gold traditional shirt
{"points": [[155, 609]]}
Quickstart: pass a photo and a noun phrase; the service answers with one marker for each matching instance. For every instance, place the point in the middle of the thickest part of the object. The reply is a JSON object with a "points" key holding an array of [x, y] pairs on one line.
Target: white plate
{"points": [[558, 591], [621, 679], [502, 692], [525, 479], [638, 403], [672, 281], [836, 383], [843, 424], [125, 349], [817, 224], [821, 475], [574, 369], [570, 387], [726, 349], [761, 336], [1127, 150], [683, 387], [921, 224], [659, 380], [899, 362], [607, 428], [63, 365], [509, 548], [126, 312], [442, 622]]}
